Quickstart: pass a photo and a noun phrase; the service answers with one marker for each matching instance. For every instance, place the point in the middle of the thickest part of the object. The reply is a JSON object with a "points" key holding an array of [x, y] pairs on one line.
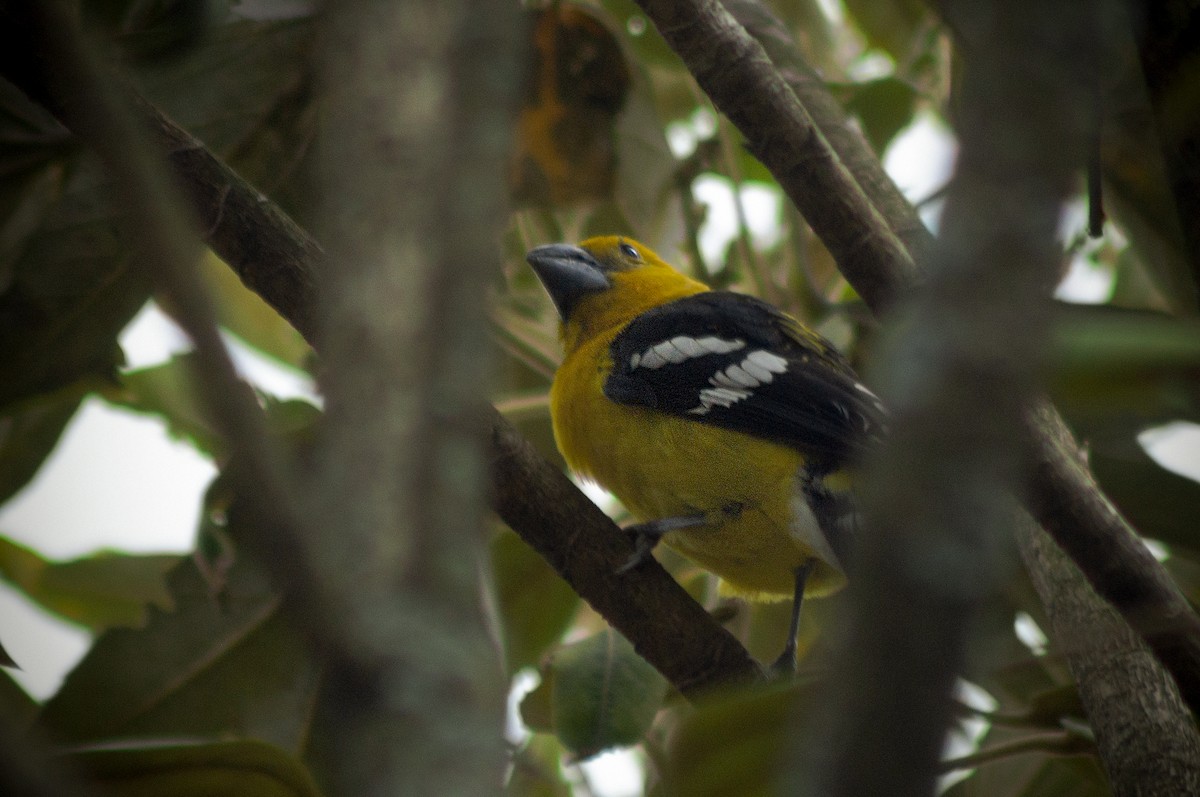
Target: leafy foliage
{"points": [[219, 659]]}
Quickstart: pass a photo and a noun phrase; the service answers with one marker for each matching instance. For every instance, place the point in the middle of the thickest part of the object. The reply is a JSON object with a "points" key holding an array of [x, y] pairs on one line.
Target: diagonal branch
{"points": [[737, 75], [844, 138]]}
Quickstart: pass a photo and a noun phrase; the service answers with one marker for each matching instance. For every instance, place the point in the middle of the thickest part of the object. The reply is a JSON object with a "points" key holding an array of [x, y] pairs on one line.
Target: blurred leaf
{"points": [[1132, 367], [536, 605], [1184, 567], [647, 44], [159, 30], [604, 694], [884, 107], [537, 707], [29, 432], [244, 767], [72, 290], [752, 168], [813, 32], [16, 706], [1137, 194], [892, 26], [219, 664], [577, 82], [26, 196], [99, 591], [537, 769], [168, 391], [1022, 681], [731, 745], [234, 89], [1159, 503], [291, 419], [645, 202], [1051, 706], [244, 313]]}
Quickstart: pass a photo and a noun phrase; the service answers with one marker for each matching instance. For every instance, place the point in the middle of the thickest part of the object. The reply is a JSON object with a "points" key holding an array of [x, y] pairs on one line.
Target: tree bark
{"points": [[416, 114], [1147, 739]]}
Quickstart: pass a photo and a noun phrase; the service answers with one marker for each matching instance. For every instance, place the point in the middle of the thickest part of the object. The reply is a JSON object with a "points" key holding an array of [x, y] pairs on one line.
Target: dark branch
{"points": [[737, 75]]}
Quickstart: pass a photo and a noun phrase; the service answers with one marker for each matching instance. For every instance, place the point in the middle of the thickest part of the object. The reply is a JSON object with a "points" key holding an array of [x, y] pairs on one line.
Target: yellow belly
{"points": [[664, 466]]}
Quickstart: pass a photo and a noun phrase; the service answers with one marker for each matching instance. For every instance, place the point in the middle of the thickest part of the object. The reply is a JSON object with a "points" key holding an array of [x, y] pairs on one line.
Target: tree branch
{"points": [[829, 117], [743, 84], [1146, 737], [1060, 744], [410, 127]]}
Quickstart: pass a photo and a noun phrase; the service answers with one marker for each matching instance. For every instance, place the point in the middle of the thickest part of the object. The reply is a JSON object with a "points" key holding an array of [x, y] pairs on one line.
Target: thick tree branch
{"points": [[937, 496], [829, 117], [277, 260], [583, 545], [409, 127], [739, 78], [1146, 737]]}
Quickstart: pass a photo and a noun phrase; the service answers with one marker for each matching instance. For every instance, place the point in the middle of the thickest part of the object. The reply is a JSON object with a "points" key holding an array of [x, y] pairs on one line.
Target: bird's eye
{"points": [[629, 251]]}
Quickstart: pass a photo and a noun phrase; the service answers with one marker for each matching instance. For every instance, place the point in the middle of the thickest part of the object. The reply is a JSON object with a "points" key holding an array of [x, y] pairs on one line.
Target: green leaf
{"points": [[892, 27], [1050, 707], [645, 202], [99, 591], [647, 45], [731, 746], [291, 419], [884, 107], [1131, 367], [16, 706], [227, 663], [244, 92], [71, 292], [537, 769], [67, 282], [244, 313], [245, 767], [536, 605], [168, 391], [537, 707], [29, 431], [1154, 270], [1160, 504], [604, 694]]}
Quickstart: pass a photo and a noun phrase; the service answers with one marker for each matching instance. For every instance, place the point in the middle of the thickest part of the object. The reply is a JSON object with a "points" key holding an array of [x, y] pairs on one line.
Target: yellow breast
{"points": [[662, 466]]}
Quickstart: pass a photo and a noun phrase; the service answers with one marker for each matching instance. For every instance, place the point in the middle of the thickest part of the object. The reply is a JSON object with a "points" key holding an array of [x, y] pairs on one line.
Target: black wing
{"points": [[734, 361]]}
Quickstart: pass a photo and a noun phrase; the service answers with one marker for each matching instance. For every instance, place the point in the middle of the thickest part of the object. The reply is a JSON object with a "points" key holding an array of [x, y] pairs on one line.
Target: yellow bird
{"points": [[726, 426]]}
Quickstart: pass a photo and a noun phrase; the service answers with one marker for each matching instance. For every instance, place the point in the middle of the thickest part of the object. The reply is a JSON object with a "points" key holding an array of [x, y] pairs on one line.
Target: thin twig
{"points": [[1065, 743]]}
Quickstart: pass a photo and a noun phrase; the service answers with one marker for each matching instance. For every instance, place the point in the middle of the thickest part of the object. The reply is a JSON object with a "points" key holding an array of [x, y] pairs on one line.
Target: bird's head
{"points": [[605, 282]]}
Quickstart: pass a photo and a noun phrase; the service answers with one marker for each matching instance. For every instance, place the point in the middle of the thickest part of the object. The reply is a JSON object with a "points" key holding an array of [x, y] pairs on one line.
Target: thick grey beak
{"points": [[568, 274]]}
